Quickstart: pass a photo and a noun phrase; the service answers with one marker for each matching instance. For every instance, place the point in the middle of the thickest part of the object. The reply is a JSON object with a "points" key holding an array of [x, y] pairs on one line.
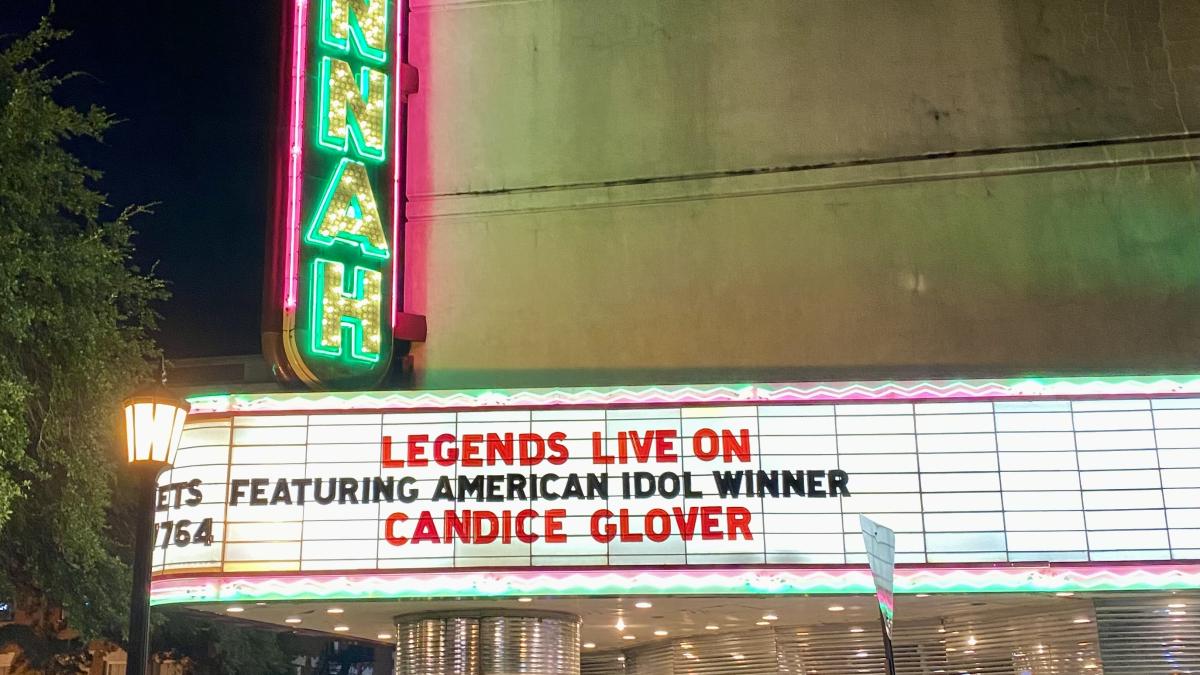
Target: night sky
{"points": [[194, 83]]}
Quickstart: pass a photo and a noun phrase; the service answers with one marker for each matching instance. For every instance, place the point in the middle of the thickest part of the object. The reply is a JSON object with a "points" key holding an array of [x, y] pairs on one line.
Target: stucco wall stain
{"points": [[687, 190]]}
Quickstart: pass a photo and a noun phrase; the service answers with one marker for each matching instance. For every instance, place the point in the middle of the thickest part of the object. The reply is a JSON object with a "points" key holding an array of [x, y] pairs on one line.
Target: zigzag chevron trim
{"points": [[1072, 387], [701, 581]]}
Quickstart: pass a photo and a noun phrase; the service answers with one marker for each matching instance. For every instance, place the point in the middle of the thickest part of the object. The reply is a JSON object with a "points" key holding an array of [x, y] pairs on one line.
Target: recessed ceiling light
{"points": [[689, 655], [737, 657], [334, 610], [524, 599], [235, 610], [292, 619], [660, 632], [1065, 594], [685, 645], [972, 641], [589, 645], [620, 658], [712, 626], [643, 605], [836, 608], [770, 617], [261, 604], [1177, 605], [856, 629], [1082, 620], [620, 624], [922, 595], [628, 637], [341, 629], [384, 636], [762, 623]]}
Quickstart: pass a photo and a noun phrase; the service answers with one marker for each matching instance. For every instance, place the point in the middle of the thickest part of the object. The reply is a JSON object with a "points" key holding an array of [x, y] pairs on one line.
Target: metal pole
{"points": [[888, 659], [143, 552]]}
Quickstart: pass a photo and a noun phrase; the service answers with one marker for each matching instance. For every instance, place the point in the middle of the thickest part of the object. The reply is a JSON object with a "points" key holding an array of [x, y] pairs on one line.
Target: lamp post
{"points": [[154, 419]]}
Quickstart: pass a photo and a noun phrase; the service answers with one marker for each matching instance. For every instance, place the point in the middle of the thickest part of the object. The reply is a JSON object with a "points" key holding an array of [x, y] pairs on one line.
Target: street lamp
{"points": [[154, 419]]}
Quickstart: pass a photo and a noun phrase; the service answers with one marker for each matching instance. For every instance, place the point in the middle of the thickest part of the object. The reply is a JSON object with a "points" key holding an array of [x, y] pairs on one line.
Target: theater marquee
{"points": [[758, 476], [484, 488]]}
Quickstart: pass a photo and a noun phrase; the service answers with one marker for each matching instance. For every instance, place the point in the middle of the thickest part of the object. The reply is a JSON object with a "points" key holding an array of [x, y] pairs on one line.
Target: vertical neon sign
{"points": [[332, 281]]}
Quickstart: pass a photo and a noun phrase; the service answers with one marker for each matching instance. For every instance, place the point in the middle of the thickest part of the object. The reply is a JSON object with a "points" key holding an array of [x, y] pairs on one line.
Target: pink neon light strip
{"points": [[685, 581], [295, 156], [397, 160], [809, 392]]}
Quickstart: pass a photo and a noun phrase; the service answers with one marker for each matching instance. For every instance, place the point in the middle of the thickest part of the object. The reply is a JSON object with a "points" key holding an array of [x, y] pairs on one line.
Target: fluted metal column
{"points": [[492, 642]]}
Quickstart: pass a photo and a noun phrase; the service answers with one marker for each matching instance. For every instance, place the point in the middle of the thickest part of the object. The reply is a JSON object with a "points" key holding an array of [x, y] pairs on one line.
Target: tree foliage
{"points": [[75, 322], [212, 647], [76, 317]]}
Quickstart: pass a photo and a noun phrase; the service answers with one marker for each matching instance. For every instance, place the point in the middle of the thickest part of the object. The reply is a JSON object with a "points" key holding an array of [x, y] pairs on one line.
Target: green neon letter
{"points": [[348, 212], [357, 308], [358, 25], [353, 111]]}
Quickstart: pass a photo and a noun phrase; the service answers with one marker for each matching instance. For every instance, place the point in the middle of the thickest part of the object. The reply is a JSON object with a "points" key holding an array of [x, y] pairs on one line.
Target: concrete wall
{"points": [[635, 191]]}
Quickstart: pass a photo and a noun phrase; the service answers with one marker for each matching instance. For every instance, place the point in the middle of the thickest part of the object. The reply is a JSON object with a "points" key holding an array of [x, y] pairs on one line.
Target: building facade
{"points": [[704, 281]]}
